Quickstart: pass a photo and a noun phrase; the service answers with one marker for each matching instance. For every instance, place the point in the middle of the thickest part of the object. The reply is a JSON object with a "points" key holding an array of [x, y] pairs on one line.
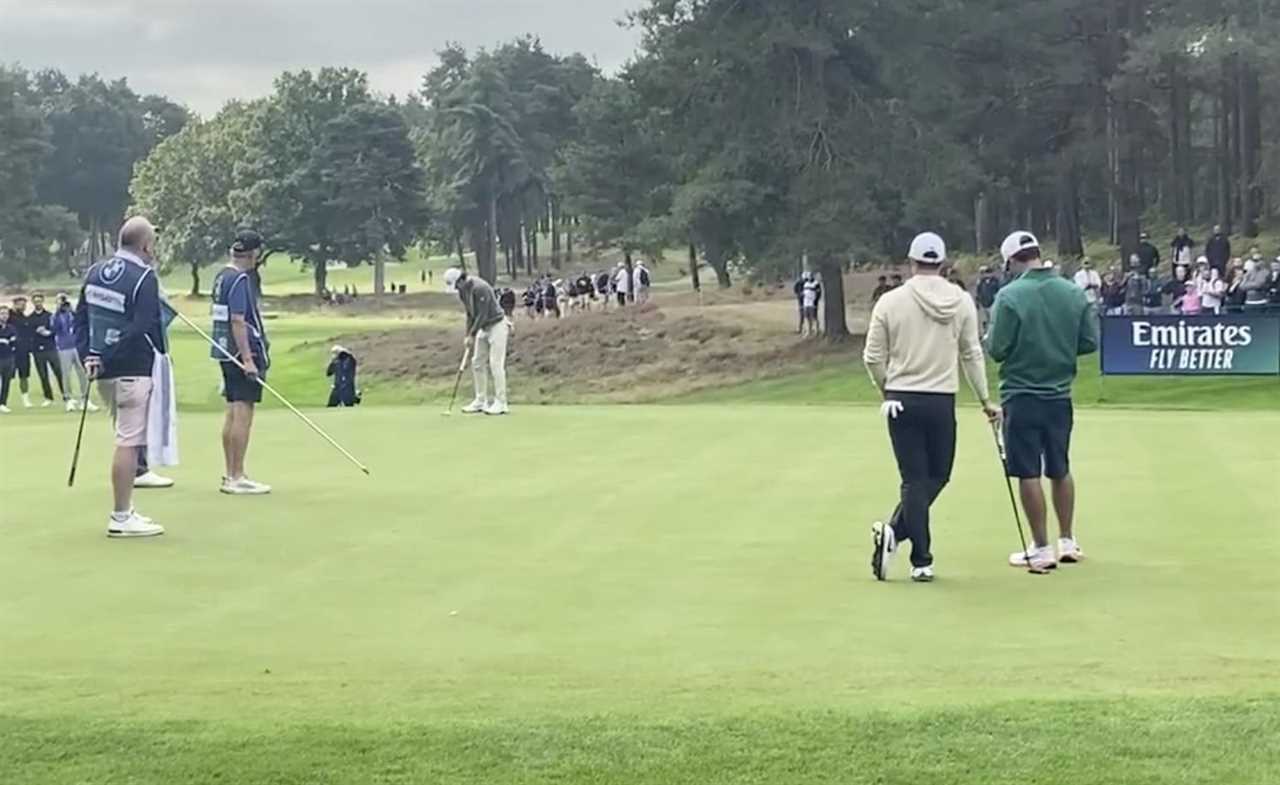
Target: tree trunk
{"points": [[980, 229], [195, 279], [555, 234], [568, 240], [1250, 149], [693, 268], [462, 256], [520, 259], [631, 279], [533, 247], [379, 276], [1067, 225], [835, 324], [320, 271], [486, 256], [1178, 101], [1222, 150]]}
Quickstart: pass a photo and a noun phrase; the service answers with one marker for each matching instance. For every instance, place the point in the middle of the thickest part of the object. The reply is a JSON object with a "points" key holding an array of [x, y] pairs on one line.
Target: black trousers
{"points": [[45, 362], [7, 368], [924, 442]]}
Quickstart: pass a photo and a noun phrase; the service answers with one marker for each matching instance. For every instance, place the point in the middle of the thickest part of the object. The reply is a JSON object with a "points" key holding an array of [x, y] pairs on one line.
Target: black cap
{"points": [[247, 240]]}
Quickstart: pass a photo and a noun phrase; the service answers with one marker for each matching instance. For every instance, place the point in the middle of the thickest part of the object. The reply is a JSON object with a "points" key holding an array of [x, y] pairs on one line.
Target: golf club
{"points": [[1013, 502], [457, 382], [319, 431], [84, 412]]}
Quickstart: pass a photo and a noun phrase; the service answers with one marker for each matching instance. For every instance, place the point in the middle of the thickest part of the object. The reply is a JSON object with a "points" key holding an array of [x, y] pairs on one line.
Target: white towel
{"points": [[162, 415]]}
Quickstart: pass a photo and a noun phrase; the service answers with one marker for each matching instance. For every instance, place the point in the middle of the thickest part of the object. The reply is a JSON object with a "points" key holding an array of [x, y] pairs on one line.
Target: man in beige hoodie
{"points": [[921, 335]]}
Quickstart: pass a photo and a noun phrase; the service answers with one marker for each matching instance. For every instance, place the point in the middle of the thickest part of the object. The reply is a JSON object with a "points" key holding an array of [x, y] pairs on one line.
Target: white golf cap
{"points": [[1016, 243], [928, 248], [451, 277]]}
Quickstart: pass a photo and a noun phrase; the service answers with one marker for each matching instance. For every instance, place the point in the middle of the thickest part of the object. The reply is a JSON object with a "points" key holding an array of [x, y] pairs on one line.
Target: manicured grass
{"points": [[636, 595]]}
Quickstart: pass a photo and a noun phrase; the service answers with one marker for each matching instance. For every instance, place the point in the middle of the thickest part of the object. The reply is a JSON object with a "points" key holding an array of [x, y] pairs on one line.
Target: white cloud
{"points": [[204, 53]]}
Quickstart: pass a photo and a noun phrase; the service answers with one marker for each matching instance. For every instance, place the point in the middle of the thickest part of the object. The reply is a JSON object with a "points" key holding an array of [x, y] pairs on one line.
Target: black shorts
{"points": [[238, 388], [1037, 434]]}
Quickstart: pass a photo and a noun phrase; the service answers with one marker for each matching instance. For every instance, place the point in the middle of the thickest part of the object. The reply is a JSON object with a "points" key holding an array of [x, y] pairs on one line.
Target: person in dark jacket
{"points": [[119, 330], [1218, 251], [1148, 256], [8, 347], [882, 287], [64, 336], [342, 368], [1182, 245], [1113, 292], [25, 332], [44, 349]]}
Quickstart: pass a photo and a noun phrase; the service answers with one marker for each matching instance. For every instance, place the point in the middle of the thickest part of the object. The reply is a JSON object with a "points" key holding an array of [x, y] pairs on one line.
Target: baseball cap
{"points": [[928, 248], [1016, 243], [247, 240], [451, 278]]}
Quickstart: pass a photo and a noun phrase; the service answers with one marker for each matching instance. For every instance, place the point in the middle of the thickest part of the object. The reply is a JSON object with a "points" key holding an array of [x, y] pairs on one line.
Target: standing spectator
{"points": [[1218, 251], [64, 322], [1182, 245], [809, 294], [1088, 279], [1192, 303], [1113, 292], [487, 333], [798, 289], [953, 277], [1175, 287], [895, 281], [44, 349], [641, 283], [1235, 296], [622, 284], [25, 333], [882, 286], [550, 298], [507, 301], [1148, 255], [987, 289], [1135, 293], [1154, 299], [603, 279], [1257, 286], [1212, 290], [8, 346], [586, 291], [1275, 285]]}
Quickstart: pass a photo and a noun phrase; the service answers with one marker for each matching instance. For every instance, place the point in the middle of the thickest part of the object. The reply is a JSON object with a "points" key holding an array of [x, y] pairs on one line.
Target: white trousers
{"points": [[489, 364]]}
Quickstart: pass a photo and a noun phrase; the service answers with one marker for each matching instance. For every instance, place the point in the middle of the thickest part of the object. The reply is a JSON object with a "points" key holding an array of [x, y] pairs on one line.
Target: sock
{"points": [[121, 517]]}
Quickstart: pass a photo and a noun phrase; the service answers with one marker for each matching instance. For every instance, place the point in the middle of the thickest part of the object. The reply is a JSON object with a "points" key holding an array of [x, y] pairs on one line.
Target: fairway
{"points": [[636, 594]]}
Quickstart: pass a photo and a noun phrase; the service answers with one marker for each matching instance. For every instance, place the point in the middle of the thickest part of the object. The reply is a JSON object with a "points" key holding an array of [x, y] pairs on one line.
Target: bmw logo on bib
{"points": [[111, 271]]}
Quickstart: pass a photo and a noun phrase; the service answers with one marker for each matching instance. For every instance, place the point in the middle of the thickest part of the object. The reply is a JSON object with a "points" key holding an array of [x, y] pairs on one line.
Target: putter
{"points": [[457, 381], [84, 412], [1013, 502], [305, 419]]}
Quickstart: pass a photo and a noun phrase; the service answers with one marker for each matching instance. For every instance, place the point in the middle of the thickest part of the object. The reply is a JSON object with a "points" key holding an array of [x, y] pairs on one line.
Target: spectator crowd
{"points": [[550, 297]]}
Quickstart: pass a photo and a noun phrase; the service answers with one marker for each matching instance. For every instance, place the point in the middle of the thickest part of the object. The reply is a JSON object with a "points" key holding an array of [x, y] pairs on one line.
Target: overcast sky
{"points": [[202, 53]]}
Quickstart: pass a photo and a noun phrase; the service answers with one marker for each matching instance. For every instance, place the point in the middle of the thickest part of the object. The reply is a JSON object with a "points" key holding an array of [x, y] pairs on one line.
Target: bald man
{"points": [[119, 329]]}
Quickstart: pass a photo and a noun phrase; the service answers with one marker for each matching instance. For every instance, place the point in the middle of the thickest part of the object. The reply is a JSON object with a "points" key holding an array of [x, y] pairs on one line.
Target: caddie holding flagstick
{"points": [[241, 347], [120, 338]]}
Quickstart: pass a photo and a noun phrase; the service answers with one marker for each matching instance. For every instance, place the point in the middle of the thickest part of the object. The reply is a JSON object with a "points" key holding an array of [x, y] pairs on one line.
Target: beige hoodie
{"points": [[917, 333]]}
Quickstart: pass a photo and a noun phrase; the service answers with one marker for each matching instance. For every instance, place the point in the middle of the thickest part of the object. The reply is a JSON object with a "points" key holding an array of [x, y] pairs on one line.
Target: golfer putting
{"points": [[921, 335], [486, 342], [1040, 325]]}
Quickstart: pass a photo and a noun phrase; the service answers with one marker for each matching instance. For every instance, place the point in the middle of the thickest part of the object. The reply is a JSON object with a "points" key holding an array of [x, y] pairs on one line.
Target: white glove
{"points": [[891, 409]]}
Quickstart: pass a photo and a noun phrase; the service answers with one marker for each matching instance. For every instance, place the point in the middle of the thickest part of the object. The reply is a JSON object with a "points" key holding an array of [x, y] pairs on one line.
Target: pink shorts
{"points": [[130, 400]]}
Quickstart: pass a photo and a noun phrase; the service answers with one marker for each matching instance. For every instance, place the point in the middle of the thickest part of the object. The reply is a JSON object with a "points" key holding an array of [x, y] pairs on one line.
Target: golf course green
{"points": [[667, 594]]}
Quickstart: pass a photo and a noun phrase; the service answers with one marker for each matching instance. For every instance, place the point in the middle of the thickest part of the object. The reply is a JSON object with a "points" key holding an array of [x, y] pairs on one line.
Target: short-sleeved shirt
{"points": [[241, 299]]}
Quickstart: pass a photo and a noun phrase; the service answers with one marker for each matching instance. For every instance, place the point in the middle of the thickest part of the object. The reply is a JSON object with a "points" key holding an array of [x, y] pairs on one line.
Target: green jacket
{"points": [[1040, 324], [483, 310]]}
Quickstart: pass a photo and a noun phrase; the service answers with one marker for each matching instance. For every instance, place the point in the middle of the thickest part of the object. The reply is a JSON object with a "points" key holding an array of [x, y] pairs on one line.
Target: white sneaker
{"points": [[496, 409], [922, 574], [93, 407], [244, 487], [1069, 551], [71, 405], [26, 400], [5, 410], [46, 404], [133, 526], [1041, 559], [884, 545], [475, 407], [152, 480]]}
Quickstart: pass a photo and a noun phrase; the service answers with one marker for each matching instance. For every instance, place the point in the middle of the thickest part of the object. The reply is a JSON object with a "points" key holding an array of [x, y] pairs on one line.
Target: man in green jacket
{"points": [[487, 334], [1041, 323]]}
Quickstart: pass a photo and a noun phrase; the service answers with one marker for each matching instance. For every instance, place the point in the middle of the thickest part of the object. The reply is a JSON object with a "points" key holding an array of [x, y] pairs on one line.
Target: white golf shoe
{"points": [[26, 400], [1069, 551], [71, 406], [922, 574], [46, 404], [475, 407], [1040, 558], [243, 486], [134, 525], [5, 409], [884, 546], [152, 480], [496, 409], [93, 407]]}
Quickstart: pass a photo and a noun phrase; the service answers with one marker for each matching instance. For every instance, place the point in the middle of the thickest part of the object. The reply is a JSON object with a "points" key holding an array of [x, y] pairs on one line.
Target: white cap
{"points": [[451, 277], [1202, 260], [1016, 243], [928, 248]]}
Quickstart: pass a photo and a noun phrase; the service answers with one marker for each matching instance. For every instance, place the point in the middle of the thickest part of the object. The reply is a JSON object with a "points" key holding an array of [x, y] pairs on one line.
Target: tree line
{"points": [[753, 133]]}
